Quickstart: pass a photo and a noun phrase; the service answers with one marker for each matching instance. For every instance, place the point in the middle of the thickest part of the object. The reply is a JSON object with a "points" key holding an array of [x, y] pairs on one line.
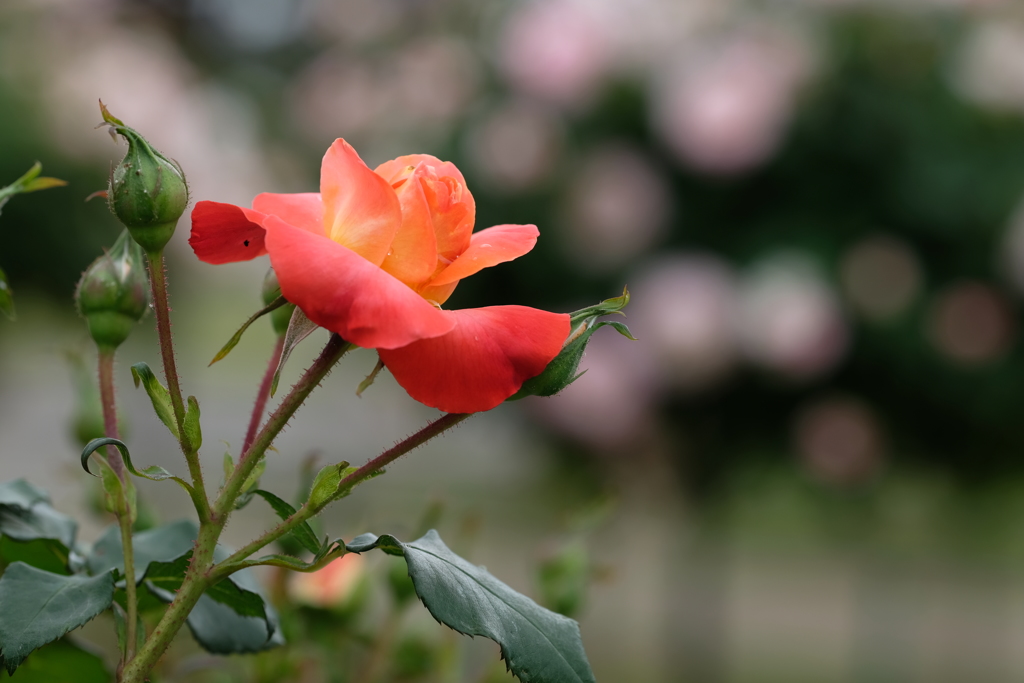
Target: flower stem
{"points": [[435, 428], [162, 309], [106, 373], [263, 394]]}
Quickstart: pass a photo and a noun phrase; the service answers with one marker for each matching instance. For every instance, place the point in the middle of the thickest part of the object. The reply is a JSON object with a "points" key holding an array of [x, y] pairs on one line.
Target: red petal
{"points": [[361, 210], [225, 233], [481, 362], [303, 210], [489, 248], [340, 290]]}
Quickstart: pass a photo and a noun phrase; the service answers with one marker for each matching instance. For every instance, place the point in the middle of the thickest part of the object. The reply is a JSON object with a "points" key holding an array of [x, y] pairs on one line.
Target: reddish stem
{"points": [[106, 372], [263, 394]]}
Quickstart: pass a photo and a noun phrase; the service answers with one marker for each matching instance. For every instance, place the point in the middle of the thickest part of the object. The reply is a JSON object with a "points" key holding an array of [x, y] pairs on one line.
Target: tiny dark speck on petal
{"points": [[246, 242]]}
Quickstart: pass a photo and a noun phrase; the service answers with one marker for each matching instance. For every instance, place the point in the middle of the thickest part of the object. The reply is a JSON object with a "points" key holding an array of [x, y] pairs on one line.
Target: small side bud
{"points": [[113, 293], [561, 372], [279, 317], [148, 192]]}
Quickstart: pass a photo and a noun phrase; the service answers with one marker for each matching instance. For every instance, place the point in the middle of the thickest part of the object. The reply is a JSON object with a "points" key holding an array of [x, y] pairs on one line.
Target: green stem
{"points": [[162, 310], [199, 576], [310, 380], [435, 428], [106, 373]]}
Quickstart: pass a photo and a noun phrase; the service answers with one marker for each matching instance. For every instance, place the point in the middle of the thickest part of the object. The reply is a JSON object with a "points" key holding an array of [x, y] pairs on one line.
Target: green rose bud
{"points": [[279, 317], [113, 293], [561, 372], [148, 193]]}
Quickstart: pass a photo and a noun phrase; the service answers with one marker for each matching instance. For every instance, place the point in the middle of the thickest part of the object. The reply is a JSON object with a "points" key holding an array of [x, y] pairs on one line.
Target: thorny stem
{"points": [[263, 394], [435, 428], [199, 576], [106, 372], [163, 327]]}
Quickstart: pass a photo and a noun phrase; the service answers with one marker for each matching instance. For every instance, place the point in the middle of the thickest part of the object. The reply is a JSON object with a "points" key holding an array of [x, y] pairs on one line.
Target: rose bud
{"points": [[147, 191], [561, 372], [113, 293]]}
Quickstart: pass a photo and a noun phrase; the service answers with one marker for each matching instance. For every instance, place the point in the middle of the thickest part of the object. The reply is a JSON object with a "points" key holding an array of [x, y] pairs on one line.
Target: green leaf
{"points": [[157, 394], [61, 661], [538, 646], [160, 544], [606, 307], [153, 473], [237, 337], [30, 182], [231, 617], [22, 494], [6, 297], [193, 430], [37, 607], [41, 553], [40, 521], [303, 533], [251, 483], [299, 327], [121, 628]]}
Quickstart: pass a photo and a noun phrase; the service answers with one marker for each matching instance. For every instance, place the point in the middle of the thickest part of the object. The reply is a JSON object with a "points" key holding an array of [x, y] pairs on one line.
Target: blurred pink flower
{"points": [[515, 146], [334, 586], [789, 319], [683, 311], [881, 276], [618, 205], [839, 440], [971, 323], [554, 49]]}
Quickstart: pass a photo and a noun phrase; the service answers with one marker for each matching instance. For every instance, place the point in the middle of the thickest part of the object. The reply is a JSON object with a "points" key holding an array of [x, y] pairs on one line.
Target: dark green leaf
{"points": [[302, 533], [168, 577], [161, 544], [237, 337], [121, 627], [42, 553], [37, 607], [538, 646], [61, 661], [6, 297], [157, 394], [299, 327], [22, 494], [41, 521]]}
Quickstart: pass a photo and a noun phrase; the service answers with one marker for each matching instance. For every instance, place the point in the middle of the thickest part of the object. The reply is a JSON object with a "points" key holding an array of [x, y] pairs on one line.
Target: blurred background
{"points": [[809, 468]]}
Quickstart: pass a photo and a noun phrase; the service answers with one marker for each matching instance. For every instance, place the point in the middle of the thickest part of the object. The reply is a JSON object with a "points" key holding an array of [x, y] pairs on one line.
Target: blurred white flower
{"points": [[618, 205], [971, 323], [881, 276], [516, 145], [789, 319], [555, 50], [839, 441], [726, 108], [357, 21], [682, 310], [990, 68]]}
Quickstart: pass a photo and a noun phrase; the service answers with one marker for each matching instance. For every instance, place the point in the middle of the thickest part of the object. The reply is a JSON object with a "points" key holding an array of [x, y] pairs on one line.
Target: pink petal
{"points": [[482, 361], [489, 248], [225, 233], [343, 292]]}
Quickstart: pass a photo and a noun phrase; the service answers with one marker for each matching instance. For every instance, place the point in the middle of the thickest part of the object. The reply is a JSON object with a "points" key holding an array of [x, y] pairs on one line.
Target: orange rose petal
{"points": [[361, 210], [489, 248], [482, 361], [343, 292], [303, 210], [413, 254], [225, 233], [454, 212]]}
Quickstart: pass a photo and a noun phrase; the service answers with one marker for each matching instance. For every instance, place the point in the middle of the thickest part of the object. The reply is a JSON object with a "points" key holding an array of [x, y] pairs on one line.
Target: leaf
{"points": [[29, 182], [42, 553], [6, 297], [303, 533], [37, 607], [237, 337], [231, 617], [193, 430], [160, 544], [251, 483], [62, 660], [153, 472], [157, 394], [40, 521], [121, 628], [538, 646], [22, 493], [299, 327]]}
